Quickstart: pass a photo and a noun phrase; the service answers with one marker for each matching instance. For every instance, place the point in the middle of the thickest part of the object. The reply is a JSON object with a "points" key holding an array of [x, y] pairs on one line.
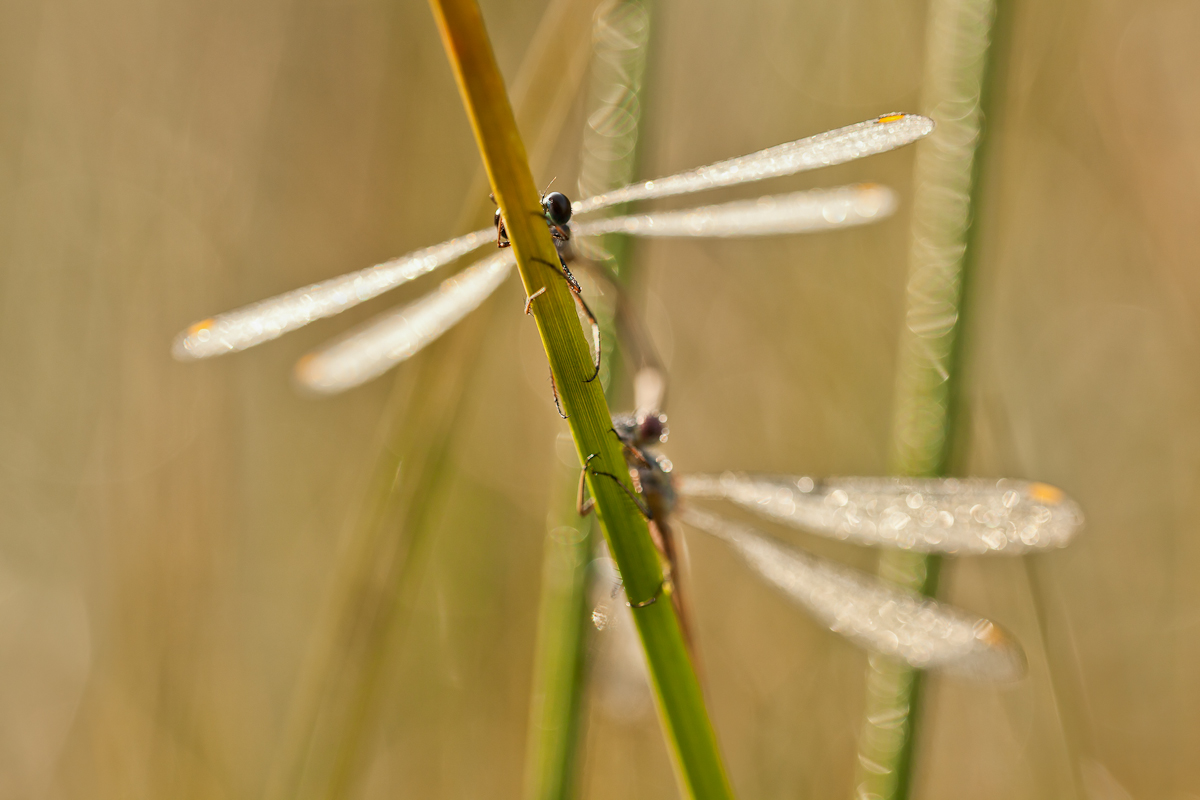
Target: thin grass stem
{"points": [[620, 33], [946, 192], [555, 725], [365, 614], [680, 701]]}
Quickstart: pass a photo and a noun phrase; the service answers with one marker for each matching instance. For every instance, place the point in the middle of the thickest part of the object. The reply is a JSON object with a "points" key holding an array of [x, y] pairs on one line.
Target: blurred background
{"points": [[170, 531]]}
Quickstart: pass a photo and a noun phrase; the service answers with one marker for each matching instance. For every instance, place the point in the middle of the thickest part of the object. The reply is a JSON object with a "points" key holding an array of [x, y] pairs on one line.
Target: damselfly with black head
{"points": [[556, 210], [374, 347]]}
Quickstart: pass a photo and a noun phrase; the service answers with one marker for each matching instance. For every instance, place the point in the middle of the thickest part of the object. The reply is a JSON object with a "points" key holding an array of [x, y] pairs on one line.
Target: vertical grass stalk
{"points": [[946, 185], [364, 617], [681, 705], [609, 160], [555, 725], [612, 136]]}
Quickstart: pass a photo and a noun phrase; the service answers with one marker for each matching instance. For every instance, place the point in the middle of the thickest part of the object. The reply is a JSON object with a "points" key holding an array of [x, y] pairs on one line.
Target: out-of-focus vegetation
{"points": [[963, 63], [169, 531]]}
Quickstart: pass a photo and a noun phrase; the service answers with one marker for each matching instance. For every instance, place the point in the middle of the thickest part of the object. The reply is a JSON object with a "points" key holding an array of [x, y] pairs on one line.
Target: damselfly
{"points": [[655, 496], [374, 347], [953, 516]]}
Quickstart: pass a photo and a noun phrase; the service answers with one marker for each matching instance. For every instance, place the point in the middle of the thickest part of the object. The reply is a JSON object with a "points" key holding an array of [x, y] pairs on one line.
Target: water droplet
{"points": [[994, 539], [600, 617]]}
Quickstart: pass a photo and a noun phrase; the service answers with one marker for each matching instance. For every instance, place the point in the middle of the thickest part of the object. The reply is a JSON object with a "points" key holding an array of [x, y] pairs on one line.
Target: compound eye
{"points": [[653, 428], [558, 208]]}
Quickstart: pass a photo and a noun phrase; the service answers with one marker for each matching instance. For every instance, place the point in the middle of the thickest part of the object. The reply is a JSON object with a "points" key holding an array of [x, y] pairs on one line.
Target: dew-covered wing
{"points": [[798, 212], [823, 150], [271, 318], [381, 343], [934, 515], [871, 613]]}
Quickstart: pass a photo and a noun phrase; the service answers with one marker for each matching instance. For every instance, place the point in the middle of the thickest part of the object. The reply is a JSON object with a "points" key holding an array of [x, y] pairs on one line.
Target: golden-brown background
{"points": [[167, 531]]}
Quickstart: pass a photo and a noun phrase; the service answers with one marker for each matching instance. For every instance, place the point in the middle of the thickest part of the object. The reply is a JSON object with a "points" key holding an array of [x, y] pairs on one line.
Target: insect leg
{"points": [[637, 501], [554, 389], [629, 450], [665, 540], [583, 506], [652, 599], [595, 336], [530, 298], [566, 275]]}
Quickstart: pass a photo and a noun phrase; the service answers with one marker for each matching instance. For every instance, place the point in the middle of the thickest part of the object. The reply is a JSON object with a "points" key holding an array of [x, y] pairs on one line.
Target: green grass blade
{"points": [[341, 682], [561, 658], [619, 40], [946, 183], [332, 712], [681, 704]]}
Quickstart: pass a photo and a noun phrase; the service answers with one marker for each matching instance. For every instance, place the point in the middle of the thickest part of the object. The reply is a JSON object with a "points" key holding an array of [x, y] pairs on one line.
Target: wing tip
{"points": [[180, 351], [884, 198], [1003, 659], [926, 124], [994, 656], [310, 377], [1046, 493], [187, 345], [1061, 506]]}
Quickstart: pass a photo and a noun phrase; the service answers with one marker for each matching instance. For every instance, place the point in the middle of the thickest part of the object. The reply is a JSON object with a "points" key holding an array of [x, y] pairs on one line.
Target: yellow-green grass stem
{"points": [[363, 620], [560, 664], [677, 690], [946, 190], [556, 719]]}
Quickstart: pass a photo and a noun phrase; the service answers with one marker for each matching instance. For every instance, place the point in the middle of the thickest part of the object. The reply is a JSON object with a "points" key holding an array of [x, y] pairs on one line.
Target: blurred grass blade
{"points": [[681, 704], [620, 38], [560, 662], [957, 57], [373, 582], [365, 614]]}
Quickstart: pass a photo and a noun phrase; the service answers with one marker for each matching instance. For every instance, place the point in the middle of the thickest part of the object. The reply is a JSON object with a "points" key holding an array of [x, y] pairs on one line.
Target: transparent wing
{"points": [[381, 343], [873, 614], [823, 150], [269, 319], [799, 212], [935, 515]]}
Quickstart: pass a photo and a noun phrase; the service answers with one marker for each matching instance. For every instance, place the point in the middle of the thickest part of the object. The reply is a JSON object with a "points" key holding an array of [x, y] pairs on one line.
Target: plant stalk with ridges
{"points": [[681, 705], [946, 188], [619, 41]]}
